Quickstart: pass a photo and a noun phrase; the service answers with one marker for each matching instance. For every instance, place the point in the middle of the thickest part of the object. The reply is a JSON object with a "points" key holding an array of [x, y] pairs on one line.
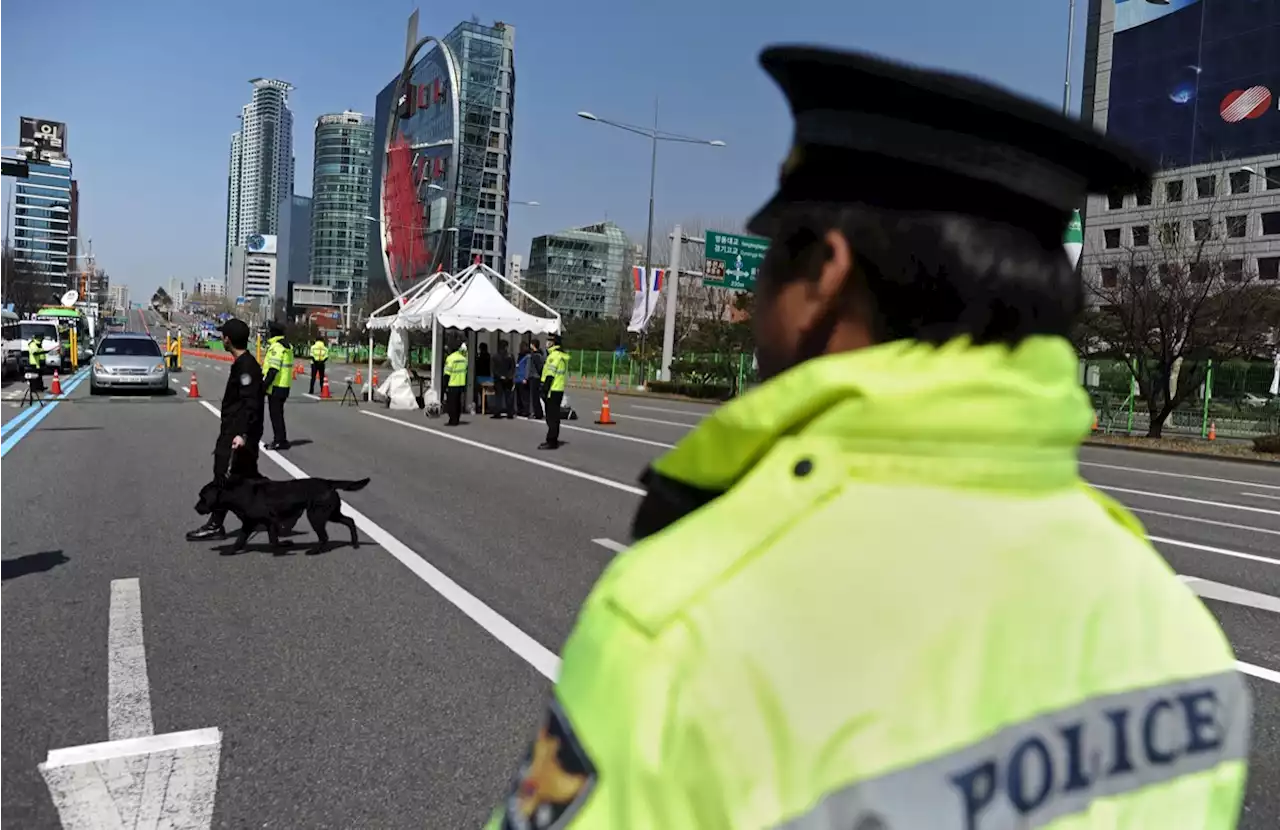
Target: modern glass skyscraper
{"points": [[580, 272], [487, 80], [261, 169], [341, 183], [41, 224]]}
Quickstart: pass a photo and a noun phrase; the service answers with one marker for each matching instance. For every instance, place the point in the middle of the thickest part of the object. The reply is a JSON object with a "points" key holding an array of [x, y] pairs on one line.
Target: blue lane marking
{"points": [[41, 413], [29, 411]]}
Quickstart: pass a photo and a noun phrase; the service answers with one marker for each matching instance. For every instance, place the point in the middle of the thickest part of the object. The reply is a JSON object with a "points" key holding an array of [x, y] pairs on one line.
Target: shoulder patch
{"points": [[245, 378], [555, 778]]}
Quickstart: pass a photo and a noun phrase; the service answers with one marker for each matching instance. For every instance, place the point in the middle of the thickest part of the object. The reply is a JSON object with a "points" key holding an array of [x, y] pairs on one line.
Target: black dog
{"points": [[275, 505]]}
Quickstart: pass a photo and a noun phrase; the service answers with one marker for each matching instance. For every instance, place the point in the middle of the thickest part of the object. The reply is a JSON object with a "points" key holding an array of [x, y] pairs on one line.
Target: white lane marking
{"points": [[614, 435], [665, 409], [616, 547], [128, 690], [651, 420], [1229, 593], [1260, 496], [538, 462], [1204, 502], [187, 389], [1177, 475], [1259, 671], [1253, 557], [502, 629], [311, 396], [1199, 520], [164, 781]]}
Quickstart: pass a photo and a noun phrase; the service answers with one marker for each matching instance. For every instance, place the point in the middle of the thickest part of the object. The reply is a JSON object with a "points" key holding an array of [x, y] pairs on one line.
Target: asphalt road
{"points": [[396, 685]]}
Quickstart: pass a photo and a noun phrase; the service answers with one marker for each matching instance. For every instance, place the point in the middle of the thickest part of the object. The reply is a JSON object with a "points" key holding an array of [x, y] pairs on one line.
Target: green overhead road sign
{"points": [[732, 260]]}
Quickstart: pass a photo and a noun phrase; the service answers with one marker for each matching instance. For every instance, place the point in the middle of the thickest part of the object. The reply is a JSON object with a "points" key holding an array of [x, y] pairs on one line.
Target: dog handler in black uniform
{"points": [[236, 453]]}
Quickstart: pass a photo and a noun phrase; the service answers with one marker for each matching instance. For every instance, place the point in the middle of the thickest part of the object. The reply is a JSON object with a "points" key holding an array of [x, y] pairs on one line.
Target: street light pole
{"points": [[648, 243], [1066, 80]]}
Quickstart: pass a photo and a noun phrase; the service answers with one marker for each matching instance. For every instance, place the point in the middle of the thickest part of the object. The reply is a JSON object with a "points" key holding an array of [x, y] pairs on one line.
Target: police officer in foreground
{"points": [[787, 644], [277, 368], [240, 430], [455, 371]]}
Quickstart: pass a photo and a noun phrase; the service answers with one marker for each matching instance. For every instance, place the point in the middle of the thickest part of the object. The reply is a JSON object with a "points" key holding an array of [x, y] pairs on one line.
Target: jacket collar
{"points": [[985, 416]]}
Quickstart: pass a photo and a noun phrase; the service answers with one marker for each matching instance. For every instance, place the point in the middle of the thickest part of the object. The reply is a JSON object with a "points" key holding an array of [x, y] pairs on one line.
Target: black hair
{"points": [[241, 341], [933, 276]]}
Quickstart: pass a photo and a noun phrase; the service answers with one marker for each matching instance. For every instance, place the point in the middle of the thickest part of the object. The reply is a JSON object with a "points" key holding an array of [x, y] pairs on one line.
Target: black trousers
{"points": [[241, 463], [453, 403], [553, 417], [504, 397], [275, 408], [317, 374], [535, 397], [522, 399]]}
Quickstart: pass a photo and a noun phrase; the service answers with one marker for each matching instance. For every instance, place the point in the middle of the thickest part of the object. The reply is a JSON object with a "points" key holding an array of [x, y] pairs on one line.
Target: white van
{"points": [[17, 333]]}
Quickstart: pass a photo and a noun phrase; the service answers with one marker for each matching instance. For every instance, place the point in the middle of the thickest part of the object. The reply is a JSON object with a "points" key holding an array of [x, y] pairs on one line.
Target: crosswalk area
{"points": [[396, 684]]}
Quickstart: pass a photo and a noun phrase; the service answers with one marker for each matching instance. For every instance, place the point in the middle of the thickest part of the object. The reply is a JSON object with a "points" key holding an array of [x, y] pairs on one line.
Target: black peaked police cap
{"points": [[899, 137]]}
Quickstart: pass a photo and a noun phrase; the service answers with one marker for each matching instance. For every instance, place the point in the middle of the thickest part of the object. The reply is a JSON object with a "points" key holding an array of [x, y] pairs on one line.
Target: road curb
{"points": [[656, 396], [1266, 462]]}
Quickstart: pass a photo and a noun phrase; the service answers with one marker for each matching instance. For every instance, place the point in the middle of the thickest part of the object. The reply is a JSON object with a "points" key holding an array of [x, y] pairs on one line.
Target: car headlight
{"points": [[158, 368], [98, 367]]}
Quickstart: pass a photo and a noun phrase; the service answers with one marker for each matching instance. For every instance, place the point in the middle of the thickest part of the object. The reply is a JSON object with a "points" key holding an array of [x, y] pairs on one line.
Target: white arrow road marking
{"points": [[136, 780]]}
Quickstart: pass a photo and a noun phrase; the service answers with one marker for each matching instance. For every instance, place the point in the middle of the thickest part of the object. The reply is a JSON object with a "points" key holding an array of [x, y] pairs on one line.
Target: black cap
{"points": [[237, 330], [899, 137], [275, 329]]}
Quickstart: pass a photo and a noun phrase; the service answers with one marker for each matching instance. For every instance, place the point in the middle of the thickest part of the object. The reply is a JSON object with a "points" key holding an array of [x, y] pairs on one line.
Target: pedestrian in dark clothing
{"points": [[483, 374], [504, 372], [537, 359], [522, 382], [236, 451]]}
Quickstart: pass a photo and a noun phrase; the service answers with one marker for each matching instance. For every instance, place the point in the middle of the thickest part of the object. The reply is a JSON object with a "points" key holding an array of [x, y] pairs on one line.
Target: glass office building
{"points": [[581, 272], [486, 98], [341, 183], [42, 224]]}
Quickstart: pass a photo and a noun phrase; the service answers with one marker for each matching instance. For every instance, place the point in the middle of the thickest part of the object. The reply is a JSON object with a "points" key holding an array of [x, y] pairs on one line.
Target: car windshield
{"points": [[129, 347], [29, 330]]}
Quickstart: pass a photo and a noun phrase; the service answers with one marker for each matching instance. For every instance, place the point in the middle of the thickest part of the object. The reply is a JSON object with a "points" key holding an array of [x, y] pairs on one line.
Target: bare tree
{"points": [[1171, 292], [22, 285], [698, 306]]}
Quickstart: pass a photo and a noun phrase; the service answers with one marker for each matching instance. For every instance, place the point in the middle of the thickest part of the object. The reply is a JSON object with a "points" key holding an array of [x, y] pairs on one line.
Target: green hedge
{"points": [[704, 391]]}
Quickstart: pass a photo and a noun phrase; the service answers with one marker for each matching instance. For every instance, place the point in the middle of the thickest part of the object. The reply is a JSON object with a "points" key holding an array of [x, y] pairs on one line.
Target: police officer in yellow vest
{"points": [[319, 354], [35, 363], [788, 644], [277, 370], [455, 369], [555, 373]]}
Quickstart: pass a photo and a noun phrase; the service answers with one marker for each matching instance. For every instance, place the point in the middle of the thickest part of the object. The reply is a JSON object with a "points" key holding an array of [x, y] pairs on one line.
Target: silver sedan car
{"points": [[128, 361]]}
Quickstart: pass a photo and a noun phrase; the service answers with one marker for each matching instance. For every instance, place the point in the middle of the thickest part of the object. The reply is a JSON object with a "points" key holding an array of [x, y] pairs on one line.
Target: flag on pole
{"points": [[643, 309], [1073, 239]]}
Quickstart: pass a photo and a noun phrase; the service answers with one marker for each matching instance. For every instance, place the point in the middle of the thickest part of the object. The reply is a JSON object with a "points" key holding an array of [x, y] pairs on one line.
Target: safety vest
{"points": [[556, 369], [35, 352], [788, 645], [319, 351], [455, 366], [279, 356]]}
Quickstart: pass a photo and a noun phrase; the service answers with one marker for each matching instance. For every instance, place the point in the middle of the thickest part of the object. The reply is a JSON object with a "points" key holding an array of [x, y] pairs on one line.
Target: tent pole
{"points": [[435, 360], [370, 375]]}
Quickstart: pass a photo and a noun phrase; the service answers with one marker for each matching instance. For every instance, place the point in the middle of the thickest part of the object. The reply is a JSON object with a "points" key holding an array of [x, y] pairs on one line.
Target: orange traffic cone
{"points": [[375, 378], [56, 389], [193, 391], [605, 417], [359, 380], [324, 389], [1095, 420], [1213, 431]]}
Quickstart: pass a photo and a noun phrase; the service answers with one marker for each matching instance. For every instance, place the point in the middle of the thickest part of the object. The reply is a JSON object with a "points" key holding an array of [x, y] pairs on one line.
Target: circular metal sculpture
{"points": [[420, 167]]}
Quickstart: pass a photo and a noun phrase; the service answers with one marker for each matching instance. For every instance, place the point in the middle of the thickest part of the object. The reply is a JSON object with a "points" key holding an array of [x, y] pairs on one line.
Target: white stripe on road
{"points": [[1259, 672], [1204, 502], [614, 435], [665, 409], [311, 396], [1261, 496], [128, 691], [609, 544], [538, 462], [1177, 475], [1199, 520], [1253, 557], [503, 630], [1209, 589]]}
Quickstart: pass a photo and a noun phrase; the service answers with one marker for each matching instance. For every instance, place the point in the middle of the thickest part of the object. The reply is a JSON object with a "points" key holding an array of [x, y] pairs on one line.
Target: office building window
{"points": [[1237, 227], [1271, 223], [1233, 270], [1144, 195], [1273, 177], [1202, 229], [1110, 276], [1141, 236], [1169, 233], [1173, 191], [1205, 186], [1240, 181], [1115, 201], [1111, 238], [1269, 267]]}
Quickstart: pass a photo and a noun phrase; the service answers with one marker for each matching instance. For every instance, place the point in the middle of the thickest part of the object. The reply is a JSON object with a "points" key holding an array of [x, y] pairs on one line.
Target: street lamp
{"points": [[1272, 183], [654, 135]]}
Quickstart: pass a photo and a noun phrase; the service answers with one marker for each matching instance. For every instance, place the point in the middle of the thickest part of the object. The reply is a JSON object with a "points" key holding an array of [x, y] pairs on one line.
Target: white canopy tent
{"points": [[470, 300]]}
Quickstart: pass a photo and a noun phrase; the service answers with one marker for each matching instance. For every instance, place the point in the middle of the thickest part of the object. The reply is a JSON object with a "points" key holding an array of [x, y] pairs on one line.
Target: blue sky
{"points": [[151, 90]]}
